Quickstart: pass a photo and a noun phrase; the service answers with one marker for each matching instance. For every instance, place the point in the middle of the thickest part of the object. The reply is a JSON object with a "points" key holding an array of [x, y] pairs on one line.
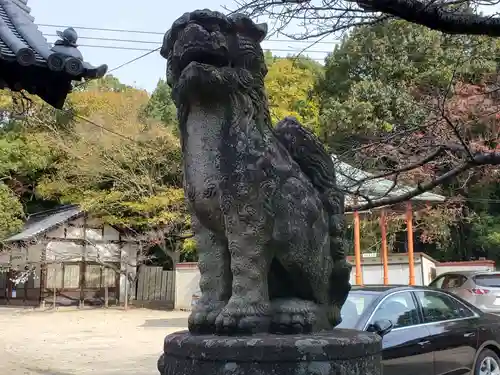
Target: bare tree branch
{"points": [[324, 17], [480, 159]]}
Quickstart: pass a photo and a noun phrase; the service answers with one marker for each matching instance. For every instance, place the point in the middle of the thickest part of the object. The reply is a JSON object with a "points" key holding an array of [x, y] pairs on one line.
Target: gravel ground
{"points": [[81, 342]]}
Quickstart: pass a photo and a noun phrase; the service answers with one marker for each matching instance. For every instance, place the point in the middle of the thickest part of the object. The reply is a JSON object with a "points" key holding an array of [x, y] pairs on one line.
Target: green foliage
{"points": [[129, 175], [383, 80], [24, 158], [189, 253], [161, 106], [376, 78], [23, 155], [487, 231], [11, 212]]}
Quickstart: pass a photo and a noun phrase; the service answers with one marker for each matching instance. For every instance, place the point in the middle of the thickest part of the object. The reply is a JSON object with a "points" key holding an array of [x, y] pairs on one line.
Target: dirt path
{"points": [[73, 342]]}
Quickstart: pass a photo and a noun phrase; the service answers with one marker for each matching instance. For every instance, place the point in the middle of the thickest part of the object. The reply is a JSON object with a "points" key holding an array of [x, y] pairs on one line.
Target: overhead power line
{"points": [[156, 49], [294, 50], [163, 33], [146, 42], [111, 39], [149, 52], [134, 59], [104, 29]]}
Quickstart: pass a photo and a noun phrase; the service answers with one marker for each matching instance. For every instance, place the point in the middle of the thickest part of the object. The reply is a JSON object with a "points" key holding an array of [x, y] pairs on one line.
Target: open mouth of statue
{"points": [[211, 58]]}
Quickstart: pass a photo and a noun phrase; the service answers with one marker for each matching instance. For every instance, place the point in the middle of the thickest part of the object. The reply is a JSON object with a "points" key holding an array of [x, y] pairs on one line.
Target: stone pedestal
{"points": [[338, 352]]}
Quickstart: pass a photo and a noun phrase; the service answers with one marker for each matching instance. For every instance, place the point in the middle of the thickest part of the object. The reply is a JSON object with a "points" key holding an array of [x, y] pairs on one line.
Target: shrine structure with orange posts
{"points": [[348, 178]]}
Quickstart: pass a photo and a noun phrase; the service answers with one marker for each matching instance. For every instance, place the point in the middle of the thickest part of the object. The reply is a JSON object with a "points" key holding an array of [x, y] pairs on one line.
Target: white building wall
{"points": [[187, 283], [429, 270], [398, 274], [188, 278]]}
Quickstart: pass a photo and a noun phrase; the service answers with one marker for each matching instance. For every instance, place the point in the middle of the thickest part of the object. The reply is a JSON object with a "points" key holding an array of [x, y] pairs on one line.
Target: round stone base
{"points": [[337, 352]]}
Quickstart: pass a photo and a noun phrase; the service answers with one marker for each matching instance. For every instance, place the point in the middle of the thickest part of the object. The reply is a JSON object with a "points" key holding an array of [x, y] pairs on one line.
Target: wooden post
{"points": [[43, 275], [125, 306], [383, 230], [104, 284], [106, 296], [54, 296], [409, 229], [83, 264], [9, 286], [54, 291], [357, 249], [25, 290]]}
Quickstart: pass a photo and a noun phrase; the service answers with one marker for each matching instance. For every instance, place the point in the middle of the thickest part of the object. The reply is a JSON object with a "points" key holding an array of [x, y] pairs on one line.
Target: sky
{"points": [[144, 15]]}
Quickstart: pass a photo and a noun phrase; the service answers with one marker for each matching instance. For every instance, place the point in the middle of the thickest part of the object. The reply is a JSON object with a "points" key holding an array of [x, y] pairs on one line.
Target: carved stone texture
{"points": [[348, 352], [267, 214]]}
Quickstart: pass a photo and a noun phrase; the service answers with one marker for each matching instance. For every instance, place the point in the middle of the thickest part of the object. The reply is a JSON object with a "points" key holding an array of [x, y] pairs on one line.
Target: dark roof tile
{"points": [[23, 46], [40, 224]]}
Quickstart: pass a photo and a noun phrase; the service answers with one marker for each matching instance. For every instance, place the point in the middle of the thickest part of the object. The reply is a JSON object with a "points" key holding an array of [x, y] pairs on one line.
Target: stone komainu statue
{"points": [[266, 211]]}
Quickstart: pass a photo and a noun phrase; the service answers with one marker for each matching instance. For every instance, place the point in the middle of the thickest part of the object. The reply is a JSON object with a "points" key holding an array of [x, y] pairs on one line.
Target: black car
{"points": [[426, 331]]}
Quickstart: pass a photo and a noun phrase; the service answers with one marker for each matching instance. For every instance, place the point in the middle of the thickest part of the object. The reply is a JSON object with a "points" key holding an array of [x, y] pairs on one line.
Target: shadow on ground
{"points": [[166, 323], [47, 372]]}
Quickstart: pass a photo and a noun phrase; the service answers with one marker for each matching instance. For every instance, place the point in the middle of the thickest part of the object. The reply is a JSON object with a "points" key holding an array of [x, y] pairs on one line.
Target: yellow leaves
{"points": [[5, 100], [189, 246], [165, 208], [116, 105], [290, 88]]}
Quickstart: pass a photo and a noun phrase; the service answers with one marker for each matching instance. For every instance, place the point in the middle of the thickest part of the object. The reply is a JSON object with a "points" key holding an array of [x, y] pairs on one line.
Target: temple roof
{"points": [[358, 182], [38, 224], [29, 62]]}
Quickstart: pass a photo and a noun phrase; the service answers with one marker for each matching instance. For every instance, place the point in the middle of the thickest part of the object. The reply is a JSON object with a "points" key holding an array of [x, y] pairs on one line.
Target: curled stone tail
{"points": [[314, 161]]}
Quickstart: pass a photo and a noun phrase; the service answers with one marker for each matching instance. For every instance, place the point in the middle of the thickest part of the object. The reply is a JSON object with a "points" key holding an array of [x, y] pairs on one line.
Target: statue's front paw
{"points": [[294, 316], [243, 317], [203, 316]]}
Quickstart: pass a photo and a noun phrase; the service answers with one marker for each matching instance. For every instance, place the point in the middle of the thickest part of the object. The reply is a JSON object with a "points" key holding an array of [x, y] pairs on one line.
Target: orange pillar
{"points": [[409, 228], [383, 231], [357, 249]]}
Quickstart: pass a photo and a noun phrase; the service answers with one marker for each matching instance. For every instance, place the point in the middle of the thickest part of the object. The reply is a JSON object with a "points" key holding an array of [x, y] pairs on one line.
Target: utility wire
{"points": [[134, 59], [163, 33], [111, 39], [149, 52], [295, 49], [141, 41], [156, 43], [156, 49], [105, 128]]}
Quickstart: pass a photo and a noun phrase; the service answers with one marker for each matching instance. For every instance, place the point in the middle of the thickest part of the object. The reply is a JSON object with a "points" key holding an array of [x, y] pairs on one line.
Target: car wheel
{"points": [[487, 363]]}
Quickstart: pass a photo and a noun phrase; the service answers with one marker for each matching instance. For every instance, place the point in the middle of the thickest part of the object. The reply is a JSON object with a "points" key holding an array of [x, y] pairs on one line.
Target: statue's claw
{"points": [[295, 316], [243, 318], [203, 316]]}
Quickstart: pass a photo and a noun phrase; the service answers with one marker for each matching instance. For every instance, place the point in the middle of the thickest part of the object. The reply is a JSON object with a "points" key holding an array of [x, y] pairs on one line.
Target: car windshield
{"points": [[355, 305]]}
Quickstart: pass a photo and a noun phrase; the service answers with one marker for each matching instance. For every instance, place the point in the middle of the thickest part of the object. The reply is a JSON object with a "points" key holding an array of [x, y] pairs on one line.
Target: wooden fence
{"points": [[155, 287]]}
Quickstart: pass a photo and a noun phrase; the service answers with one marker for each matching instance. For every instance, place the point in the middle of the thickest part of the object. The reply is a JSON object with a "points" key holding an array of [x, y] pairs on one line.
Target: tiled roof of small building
{"points": [[39, 224], [355, 180], [29, 62]]}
